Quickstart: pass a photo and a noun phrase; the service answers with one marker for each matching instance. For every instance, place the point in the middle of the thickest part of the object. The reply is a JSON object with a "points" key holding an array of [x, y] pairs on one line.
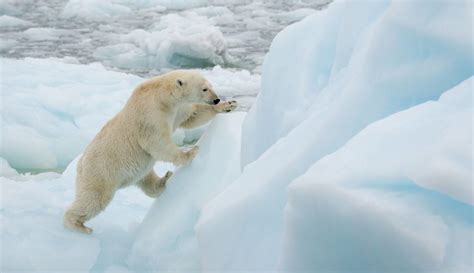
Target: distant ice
{"points": [[6, 169], [42, 34], [187, 40], [7, 44], [247, 27], [97, 10], [10, 22]]}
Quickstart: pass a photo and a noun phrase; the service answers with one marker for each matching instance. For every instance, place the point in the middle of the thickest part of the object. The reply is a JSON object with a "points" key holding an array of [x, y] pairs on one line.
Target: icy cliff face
{"points": [[398, 193], [354, 63], [324, 80]]}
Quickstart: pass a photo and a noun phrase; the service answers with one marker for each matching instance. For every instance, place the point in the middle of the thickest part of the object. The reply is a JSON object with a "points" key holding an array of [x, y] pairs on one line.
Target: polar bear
{"points": [[124, 151]]}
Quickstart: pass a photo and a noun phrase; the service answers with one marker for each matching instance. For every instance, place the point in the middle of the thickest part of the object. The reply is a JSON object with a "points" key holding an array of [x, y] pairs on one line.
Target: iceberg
{"points": [[355, 63], [398, 193]]}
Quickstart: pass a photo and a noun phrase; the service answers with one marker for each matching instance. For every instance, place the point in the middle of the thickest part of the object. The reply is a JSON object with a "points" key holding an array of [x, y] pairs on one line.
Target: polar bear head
{"points": [[192, 87]]}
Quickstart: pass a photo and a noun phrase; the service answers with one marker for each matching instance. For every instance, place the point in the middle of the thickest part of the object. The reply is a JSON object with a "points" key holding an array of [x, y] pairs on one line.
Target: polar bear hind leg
{"points": [[88, 203]]}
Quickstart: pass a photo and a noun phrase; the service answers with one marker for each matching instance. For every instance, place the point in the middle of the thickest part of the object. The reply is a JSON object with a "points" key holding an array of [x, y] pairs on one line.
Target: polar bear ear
{"points": [[179, 82]]}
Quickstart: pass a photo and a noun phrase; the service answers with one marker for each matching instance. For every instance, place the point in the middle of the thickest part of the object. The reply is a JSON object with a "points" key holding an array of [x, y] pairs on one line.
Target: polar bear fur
{"points": [[124, 151]]}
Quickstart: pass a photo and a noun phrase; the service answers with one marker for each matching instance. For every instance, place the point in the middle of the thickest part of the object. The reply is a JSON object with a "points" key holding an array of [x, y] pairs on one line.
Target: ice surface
{"points": [[187, 40], [34, 239], [406, 180], [166, 239], [354, 63], [52, 109]]}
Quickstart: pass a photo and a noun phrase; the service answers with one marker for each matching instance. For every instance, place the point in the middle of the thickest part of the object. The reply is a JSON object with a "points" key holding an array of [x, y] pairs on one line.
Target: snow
{"points": [[177, 40], [166, 239], [51, 108]]}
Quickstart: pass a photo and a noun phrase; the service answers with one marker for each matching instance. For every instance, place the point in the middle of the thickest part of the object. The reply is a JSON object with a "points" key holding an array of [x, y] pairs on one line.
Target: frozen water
{"points": [[51, 108], [176, 41], [34, 239], [10, 22], [349, 71], [406, 180], [357, 155], [367, 60], [247, 27], [6, 169], [41, 34]]}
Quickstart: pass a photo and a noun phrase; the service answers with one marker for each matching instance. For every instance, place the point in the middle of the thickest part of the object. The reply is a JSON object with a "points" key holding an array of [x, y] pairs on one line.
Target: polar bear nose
{"points": [[216, 101]]}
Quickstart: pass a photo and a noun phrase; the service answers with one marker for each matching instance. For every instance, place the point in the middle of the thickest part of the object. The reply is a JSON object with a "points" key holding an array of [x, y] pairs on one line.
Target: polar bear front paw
{"points": [[226, 107], [187, 157]]}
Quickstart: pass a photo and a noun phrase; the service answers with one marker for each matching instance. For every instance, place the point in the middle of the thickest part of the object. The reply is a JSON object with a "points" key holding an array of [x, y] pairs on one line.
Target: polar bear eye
{"points": [[204, 90]]}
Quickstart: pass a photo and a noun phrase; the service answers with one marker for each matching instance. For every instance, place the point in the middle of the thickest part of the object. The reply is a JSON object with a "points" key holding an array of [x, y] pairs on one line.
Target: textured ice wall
{"points": [[398, 195], [324, 80]]}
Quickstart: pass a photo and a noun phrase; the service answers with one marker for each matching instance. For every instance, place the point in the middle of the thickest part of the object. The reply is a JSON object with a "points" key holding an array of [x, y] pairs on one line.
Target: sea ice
{"points": [[176, 41], [9, 22]]}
